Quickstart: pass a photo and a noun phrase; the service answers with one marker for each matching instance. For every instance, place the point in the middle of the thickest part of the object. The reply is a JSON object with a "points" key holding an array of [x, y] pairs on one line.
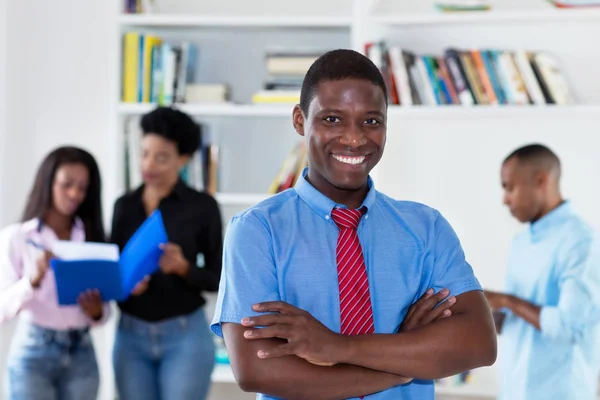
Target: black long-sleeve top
{"points": [[193, 221]]}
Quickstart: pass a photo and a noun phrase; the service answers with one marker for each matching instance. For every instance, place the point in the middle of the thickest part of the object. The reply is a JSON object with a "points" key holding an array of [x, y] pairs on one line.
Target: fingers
{"points": [[169, 248], [276, 306], [90, 296], [141, 286], [268, 320], [95, 296], [279, 351], [429, 308], [83, 300], [429, 303], [428, 293], [43, 262], [441, 311], [282, 331]]}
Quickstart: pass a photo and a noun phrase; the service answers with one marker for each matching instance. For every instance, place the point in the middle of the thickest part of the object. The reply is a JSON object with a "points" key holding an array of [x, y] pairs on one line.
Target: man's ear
{"points": [[298, 120], [541, 178]]}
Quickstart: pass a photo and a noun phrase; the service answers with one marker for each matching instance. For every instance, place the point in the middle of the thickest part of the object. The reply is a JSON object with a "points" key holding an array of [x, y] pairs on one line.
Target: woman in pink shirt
{"points": [[51, 355]]}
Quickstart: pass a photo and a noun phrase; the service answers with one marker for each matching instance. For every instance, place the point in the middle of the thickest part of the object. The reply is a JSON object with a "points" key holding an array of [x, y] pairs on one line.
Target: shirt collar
{"points": [[549, 220], [178, 191], [322, 204]]}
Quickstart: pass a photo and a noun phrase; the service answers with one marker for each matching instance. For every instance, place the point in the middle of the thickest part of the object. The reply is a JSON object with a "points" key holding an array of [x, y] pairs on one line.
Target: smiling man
{"points": [[321, 282]]}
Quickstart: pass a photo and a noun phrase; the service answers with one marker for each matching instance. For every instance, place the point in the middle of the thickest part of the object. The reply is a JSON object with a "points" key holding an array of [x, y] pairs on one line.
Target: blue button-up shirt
{"points": [[553, 264], [284, 249]]}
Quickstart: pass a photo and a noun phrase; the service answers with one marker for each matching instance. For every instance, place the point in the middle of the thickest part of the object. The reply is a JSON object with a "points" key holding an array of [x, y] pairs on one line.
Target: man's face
{"points": [[346, 130], [522, 190]]}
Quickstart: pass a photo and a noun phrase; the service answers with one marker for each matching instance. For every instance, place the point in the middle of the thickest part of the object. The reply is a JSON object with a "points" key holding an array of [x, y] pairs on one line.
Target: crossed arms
{"points": [[294, 356]]}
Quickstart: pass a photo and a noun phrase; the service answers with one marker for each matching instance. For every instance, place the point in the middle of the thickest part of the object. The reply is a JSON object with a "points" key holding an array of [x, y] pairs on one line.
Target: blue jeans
{"points": [[166, 360], [45, 364]]}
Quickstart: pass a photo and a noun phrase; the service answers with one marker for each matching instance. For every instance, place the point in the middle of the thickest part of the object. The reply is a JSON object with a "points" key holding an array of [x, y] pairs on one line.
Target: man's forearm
{"points": [[293, 378], [447, 347], [526, 310]]}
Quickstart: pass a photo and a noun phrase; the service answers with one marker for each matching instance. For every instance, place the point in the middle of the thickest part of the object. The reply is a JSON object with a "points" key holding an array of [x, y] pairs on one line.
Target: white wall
{"points": [[3, 133], [60, 57], [4, 331]]}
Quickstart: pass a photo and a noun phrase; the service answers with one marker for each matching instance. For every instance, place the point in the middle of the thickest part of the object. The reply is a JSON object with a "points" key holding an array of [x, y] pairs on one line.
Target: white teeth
{"points": [[350, 160]]}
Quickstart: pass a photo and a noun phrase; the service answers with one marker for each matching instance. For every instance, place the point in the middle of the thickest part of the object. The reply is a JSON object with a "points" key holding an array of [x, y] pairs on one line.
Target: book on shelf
{"points": [[201, 172], [462, 5], [470, 76], [575, 3], [160, 72], [138, 6], [285, 73], [290, 169]]}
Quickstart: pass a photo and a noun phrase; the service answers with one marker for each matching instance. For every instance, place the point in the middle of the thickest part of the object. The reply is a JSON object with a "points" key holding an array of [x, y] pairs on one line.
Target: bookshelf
{"points": [[423, 13], [284, 111], [198, 21], [215, 109], [233, 36]]}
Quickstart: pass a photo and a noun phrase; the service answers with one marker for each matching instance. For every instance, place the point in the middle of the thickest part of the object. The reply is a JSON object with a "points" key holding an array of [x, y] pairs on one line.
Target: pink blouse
{"points": [[18, 262]]}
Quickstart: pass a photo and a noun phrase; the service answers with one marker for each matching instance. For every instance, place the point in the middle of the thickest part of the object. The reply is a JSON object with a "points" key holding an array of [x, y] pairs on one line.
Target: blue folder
{"points": [[114, 279]]}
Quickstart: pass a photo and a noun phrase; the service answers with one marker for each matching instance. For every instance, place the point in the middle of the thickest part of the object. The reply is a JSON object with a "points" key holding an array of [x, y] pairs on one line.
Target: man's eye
{"points": [[331, 119], [372, 121]]}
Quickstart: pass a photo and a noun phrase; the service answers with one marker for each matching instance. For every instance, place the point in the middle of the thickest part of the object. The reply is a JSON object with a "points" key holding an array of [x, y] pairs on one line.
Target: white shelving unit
{"points": [[215, 109], [447, 156], [240, 199], [404, 13], [197, 21]]}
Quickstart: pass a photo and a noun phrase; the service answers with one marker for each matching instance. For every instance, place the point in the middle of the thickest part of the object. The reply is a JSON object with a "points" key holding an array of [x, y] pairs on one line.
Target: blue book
{"points": [[114, 279]]}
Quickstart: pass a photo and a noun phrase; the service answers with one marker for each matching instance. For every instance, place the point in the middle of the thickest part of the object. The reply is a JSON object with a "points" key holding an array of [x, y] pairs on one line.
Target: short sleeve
{"points": [[249, 275], [450, 268]]}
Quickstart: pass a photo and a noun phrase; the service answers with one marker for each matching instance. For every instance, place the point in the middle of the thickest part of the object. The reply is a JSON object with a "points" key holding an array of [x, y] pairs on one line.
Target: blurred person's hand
{"points": [[141, 286], [172, 260], [91, 303], [497, 300], [41, 267]]}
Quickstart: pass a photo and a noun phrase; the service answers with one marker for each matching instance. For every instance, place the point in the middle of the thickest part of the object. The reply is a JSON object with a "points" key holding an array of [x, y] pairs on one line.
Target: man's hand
{"points": [[172, 260], [91, 303], [520, 307], [306, 337], [497, 300], [141, 286], [424, 311]]}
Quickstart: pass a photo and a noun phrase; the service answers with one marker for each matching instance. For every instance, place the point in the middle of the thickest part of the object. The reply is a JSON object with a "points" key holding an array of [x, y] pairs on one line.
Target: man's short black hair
{"points": [[336, 65], [175, 126], [537, 156]]}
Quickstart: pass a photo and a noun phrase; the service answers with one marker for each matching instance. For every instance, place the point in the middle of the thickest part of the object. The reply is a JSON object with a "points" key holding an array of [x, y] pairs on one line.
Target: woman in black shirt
{"points": [[164, 348]]}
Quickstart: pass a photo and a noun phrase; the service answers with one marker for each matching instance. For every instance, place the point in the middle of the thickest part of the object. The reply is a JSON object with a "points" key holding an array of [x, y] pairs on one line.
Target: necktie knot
{"points": [[345, 218]]}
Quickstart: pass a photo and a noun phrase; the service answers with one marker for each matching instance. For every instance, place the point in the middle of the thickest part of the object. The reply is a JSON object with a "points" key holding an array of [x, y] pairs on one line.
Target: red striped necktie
{"points": [[356, 314]]}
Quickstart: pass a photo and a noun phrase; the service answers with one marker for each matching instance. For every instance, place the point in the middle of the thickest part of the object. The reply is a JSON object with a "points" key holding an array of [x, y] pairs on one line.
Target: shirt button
{"points": [[327, 217]]}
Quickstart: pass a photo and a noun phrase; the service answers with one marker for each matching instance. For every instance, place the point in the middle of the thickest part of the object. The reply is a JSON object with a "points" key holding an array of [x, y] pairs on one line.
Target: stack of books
{"points": [[470, 77], [285, 70]]}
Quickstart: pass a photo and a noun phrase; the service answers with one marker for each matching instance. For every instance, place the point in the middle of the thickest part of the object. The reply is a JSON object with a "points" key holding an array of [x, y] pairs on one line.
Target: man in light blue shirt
{"points": [[279, 301], [549, 313]]}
